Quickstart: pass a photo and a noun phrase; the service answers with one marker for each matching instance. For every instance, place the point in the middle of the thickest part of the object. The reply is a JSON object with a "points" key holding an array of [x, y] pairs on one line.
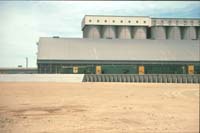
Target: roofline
{"points": [[54, 61], [141, 16], [176, 18], [114, 16]]}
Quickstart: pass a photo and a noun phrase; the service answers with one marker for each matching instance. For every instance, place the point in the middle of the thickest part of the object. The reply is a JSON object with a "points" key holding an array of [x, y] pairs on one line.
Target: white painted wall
{"points": [[68, 78]]}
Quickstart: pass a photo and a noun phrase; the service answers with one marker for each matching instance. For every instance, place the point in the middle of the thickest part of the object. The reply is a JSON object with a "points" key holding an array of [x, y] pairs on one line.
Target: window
{"points": [[121, 21], [98, 21], [105, 21], [113, 21], [129, 21], [90, 20], [137, 21], [144, 21]]}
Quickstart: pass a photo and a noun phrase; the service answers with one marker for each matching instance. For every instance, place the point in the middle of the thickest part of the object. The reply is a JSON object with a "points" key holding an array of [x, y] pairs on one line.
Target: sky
{"points": [[23, 22]]}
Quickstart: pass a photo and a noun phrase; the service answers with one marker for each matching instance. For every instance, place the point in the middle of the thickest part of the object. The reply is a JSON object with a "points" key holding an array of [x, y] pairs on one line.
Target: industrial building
{"points": [[125, 45]]}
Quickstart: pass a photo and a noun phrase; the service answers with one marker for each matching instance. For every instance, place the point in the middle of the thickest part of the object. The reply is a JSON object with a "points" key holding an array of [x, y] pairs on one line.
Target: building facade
{"points": [[125, 45]]}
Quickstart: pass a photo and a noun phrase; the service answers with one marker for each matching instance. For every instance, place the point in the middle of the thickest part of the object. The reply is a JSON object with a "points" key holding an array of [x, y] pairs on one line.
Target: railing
{"points": [[146, 78]]}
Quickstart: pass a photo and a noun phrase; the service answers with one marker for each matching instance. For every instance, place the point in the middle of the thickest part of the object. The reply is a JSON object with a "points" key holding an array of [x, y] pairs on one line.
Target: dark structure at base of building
{"points": [[118, 56]]}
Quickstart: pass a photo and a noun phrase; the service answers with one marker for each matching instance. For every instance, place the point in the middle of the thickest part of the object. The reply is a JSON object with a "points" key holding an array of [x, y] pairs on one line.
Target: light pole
{"points": [[26, 62]]}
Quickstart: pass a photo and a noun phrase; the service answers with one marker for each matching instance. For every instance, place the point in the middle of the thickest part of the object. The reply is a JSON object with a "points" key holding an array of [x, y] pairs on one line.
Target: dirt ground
{"points": [[99, 108]]}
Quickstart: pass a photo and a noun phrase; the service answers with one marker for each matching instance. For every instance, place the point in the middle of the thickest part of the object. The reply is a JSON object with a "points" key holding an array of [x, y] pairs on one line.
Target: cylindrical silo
{"points": [[198, 32], [174, 33], [109, 32], [92, 31], [139, 32], [189, 33], [124, 32], [158, 32]]}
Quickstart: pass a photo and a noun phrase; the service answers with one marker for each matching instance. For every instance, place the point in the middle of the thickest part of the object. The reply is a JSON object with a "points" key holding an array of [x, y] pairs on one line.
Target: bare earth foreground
{"points": [[99, 107]]}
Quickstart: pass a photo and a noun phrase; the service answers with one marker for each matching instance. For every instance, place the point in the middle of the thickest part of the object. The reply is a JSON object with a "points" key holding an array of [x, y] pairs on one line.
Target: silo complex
{"points": [[158, 32], [124, 32], [140, 27], [174, 33], [109, 32], [189, 33], [139, 32], [92, 31]]}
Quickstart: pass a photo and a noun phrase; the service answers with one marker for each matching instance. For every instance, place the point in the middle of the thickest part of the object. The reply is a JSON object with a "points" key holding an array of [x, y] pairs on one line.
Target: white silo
{"points": [[124, 32], [189, 33], [139, 32], [174, 33], [92, 31], [158, 32], [108, 32]]}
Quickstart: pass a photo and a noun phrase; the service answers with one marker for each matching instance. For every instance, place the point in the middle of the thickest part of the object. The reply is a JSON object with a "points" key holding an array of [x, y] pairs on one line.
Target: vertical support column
{"points": [[198, 32]]}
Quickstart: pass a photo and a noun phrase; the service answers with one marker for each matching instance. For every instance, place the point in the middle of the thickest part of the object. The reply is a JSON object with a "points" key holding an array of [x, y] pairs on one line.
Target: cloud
{"points": [[22, 23]]}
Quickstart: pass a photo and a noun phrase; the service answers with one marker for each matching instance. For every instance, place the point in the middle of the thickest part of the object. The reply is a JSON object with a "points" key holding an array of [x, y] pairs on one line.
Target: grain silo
{"points": [[139, 32], [109, 32], [174, 33], [158, 32], [189, 33], [92, 31], [124, 32]]}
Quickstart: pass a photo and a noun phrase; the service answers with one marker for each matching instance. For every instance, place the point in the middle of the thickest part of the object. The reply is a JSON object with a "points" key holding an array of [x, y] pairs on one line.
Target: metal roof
{"points": [[118, 49]]}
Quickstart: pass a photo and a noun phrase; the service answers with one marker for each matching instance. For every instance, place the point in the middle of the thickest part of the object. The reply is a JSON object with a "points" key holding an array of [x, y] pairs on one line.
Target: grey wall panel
{"points": [[124, 32], [109, 32], [92, 31], [139, 32], [174, 33], [189, 33], [158, 32]]}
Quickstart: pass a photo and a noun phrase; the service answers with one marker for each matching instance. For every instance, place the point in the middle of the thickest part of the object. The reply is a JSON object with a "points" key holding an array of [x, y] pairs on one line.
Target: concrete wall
{"points": [[41, 77]]}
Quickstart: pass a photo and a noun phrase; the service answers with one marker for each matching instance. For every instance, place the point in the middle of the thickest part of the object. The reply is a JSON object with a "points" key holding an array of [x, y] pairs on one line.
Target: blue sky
{"points": [[22, 23]]}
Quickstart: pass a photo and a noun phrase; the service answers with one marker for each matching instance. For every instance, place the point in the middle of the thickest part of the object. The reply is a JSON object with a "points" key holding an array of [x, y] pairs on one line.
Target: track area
{"points": [[99, 107]]}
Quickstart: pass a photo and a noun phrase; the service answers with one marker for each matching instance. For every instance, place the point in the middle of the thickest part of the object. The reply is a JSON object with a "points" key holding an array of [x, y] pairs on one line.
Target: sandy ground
{"points": [[99, 107]]}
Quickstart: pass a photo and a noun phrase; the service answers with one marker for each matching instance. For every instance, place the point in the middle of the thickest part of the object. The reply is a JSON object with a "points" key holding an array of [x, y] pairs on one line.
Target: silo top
{"points": [[138, 21]]}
